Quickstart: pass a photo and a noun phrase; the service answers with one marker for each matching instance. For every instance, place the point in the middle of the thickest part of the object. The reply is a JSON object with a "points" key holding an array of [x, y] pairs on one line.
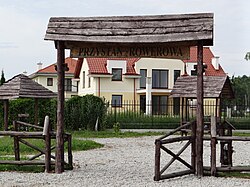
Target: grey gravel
{"points": [[127, 162]]}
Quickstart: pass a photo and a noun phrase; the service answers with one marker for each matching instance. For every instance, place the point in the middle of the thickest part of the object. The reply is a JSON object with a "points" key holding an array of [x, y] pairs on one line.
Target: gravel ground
{"points": [[126, 162]]}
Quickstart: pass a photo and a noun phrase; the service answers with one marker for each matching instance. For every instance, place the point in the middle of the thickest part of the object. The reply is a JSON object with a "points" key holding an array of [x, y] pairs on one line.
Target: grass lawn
{"points": [[112, 134]]}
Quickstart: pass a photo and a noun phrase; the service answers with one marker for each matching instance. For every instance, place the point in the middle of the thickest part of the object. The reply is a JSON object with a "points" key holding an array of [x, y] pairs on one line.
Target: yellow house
{"points": [[48, 77], [146, 82], [129, 80]]}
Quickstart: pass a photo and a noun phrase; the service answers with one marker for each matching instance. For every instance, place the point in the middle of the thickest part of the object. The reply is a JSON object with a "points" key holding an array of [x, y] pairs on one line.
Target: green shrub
{"points": [[26, 106], [83, 112]]}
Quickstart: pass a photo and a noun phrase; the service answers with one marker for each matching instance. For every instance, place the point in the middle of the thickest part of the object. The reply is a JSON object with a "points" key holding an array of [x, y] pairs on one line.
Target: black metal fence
{"points": [[136, 115]]}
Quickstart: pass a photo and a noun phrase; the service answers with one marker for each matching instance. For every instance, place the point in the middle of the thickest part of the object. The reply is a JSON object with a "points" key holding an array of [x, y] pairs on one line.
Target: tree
{"points": [[2, 78], [247, 57]]}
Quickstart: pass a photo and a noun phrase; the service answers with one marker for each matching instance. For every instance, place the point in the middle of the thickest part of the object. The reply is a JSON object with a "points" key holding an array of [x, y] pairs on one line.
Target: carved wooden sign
{"points": [[162, 51]]}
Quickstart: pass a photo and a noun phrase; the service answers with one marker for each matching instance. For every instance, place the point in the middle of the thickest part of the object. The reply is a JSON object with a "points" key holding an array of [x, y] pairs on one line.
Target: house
{"points": [[144, 81], [48, 77]]}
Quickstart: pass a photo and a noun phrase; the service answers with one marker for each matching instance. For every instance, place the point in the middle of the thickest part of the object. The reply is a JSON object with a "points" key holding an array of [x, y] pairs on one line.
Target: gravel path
{"points": [[124, 162]]}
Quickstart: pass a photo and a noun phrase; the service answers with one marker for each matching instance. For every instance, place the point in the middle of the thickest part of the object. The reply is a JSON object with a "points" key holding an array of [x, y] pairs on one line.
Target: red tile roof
{"points": [[51, 69], [207, 59], [99, 65]]}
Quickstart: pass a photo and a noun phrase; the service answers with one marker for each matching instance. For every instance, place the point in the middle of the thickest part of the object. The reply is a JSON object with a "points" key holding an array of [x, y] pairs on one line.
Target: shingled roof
{"points": [[214, 87], [21, 86], [133, 29]]}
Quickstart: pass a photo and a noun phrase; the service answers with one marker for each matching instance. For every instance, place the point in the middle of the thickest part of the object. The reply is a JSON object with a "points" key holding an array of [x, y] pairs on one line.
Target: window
{"points": [[68, 85], [89, 82], [143, 73], [160, 79], [117, 74], [159, 104], [83, 79], [116, 101], [177, 73], [49, 81]]}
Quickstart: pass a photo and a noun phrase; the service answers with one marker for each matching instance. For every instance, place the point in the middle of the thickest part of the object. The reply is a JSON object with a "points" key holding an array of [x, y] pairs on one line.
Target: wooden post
{"points": [[36, 111], [6, 114], [157, 160], [193, 146], [200, 115], [70, 156], [16, 142], [59, 165], [46, 134], [182, 110], [213, 145]]}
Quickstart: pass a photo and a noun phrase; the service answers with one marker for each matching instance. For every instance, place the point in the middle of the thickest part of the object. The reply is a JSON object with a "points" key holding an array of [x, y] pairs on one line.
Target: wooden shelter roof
{"points": [[21, 86], [214, 87], [179, 28]]}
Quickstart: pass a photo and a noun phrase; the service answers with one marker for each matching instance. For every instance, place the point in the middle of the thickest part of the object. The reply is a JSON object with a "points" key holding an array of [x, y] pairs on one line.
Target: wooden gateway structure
{"points": [[160, 36]]}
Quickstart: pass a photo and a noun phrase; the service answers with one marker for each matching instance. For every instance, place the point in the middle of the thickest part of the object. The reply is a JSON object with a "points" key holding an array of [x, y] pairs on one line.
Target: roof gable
{"points": [[214, 87], [207, 59], [99, 65]]}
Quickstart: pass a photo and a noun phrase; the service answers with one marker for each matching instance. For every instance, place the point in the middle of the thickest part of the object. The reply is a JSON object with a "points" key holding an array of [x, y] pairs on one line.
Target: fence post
{"points": [[16, 142], [213, 145], [47, 137], [157, 176], [70, 156]]}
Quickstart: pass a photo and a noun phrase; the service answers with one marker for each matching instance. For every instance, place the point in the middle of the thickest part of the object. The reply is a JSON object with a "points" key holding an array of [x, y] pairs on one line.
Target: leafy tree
{"points": [[247, 57], [241, 87], [2, 80]]}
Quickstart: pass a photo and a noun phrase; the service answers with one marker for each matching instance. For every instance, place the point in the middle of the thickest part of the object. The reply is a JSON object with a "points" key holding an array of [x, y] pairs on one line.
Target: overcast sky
{"points": [[24, 22]]}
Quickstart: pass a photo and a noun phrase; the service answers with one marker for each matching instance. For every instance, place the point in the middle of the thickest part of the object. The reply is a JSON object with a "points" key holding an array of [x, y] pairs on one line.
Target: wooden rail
{"points": [[165, 139], [46, 134]]}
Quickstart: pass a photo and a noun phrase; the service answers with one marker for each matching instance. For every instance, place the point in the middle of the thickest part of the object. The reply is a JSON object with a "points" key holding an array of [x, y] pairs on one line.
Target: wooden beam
{"points": [[6, 114], [36, 111], [200, 114], [59, 165]]}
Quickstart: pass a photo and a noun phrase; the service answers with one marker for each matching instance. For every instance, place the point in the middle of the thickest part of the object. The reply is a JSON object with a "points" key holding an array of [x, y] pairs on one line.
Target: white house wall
{"points": [[156, 63]]}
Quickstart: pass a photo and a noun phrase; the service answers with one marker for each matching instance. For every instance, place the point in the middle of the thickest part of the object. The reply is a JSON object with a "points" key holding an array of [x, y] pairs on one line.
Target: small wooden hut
{"points": [[215, 87], [21, 86]]}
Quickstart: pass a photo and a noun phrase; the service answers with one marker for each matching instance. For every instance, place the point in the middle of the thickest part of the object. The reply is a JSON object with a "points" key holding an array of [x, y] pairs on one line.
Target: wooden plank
{"points": [[133, 18], [29, 125], [176, 139], [162, 51], [233, 138], [177, 174], [22, 162], [176, 157], [160, 38], [173, 159], [124, 28]]}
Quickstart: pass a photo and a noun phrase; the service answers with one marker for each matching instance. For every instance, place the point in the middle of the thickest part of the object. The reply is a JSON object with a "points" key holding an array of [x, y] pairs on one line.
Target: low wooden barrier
{"points": [[45, 133], [160, 145], [217, 133]]}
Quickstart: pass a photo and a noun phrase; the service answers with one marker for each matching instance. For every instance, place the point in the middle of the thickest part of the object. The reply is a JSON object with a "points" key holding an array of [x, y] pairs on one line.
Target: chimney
{"points": [[215, 63], [39, 66]]}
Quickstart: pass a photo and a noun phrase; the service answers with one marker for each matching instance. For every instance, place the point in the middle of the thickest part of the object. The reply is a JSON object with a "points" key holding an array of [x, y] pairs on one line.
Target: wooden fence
{"points": [[44, 133]]}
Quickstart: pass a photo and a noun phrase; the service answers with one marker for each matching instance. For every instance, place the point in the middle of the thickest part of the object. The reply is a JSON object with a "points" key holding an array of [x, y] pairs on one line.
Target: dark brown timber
{"points": [[59, 167], [200, 115], [6, 114]]}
